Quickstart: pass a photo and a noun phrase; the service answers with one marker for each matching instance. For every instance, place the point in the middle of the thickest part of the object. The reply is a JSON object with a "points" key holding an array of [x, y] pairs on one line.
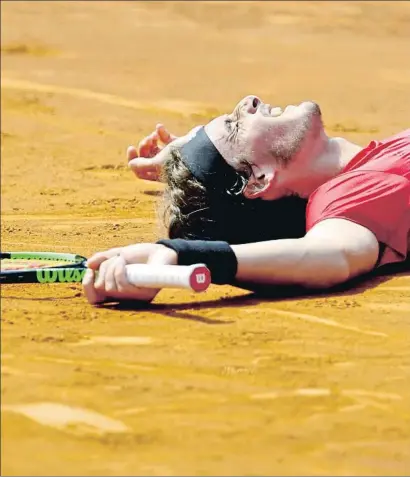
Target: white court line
{"points": [[69, 418], [325, 392], [115, 341], [321, 321], [180, 106]]}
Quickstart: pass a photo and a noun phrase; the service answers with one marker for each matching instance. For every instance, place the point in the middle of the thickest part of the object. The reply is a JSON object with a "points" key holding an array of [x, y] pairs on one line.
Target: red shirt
{"points": [[373, 190]]}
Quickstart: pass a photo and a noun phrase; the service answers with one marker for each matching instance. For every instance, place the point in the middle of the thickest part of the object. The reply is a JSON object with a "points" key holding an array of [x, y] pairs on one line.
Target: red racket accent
{"points": [[200, 278]]}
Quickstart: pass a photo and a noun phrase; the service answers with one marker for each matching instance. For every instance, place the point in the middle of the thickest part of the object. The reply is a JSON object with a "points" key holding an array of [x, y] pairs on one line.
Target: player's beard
{"points": [[290, 140]]}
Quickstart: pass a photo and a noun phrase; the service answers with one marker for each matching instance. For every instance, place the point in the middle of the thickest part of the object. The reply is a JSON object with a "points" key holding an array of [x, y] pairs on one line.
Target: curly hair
{"points": [[190, 212]]}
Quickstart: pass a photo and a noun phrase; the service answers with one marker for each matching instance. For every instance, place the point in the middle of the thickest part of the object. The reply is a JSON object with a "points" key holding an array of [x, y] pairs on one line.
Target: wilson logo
{"points": [[63, 275], [201, 278]]}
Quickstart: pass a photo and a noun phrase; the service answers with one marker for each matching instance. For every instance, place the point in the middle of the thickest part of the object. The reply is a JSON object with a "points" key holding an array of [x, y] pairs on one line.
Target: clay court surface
{"points": [[221, 383]]}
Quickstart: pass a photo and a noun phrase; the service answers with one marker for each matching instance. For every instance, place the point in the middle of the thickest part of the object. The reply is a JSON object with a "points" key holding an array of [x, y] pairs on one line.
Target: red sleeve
{"points": [[378, 201]]}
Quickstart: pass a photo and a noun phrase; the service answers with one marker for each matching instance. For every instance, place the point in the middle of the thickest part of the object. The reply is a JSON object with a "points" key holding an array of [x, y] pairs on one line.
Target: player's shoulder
{"points": [[359, 193], [358, 180], [354, 187]]}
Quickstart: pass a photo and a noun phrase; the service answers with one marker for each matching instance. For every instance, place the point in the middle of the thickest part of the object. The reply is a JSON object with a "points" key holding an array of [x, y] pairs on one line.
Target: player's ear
{"points": [[258, 185]]}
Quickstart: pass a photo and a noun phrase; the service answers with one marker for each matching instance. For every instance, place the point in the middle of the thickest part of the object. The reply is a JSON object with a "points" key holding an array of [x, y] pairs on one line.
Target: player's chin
{"points": [[312, 108]]}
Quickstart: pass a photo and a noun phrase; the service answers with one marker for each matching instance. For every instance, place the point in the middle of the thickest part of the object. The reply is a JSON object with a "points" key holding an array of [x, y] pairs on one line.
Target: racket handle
{"points": [[191, 277]]}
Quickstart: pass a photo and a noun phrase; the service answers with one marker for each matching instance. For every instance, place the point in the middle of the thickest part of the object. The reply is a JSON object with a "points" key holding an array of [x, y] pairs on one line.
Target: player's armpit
{"points": [[357, 244]]}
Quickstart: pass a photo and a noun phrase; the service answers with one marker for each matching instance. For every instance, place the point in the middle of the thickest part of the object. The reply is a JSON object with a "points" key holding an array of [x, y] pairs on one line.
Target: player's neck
{"points": [[330, 157], [335, 156]]}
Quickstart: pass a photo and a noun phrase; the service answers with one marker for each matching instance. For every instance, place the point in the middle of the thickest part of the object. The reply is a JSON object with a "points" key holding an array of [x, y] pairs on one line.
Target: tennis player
{"points": [[357, 215]]}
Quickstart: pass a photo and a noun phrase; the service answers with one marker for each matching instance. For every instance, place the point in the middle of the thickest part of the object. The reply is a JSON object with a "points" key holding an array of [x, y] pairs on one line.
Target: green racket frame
{"points": [[70, 272]]}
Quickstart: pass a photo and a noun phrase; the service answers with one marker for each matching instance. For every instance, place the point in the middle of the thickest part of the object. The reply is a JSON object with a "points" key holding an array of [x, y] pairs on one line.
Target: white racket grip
{"points": [[191, 277]]}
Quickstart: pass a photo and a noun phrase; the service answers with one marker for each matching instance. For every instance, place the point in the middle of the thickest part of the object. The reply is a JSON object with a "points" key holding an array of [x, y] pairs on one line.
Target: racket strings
{"points": [[27, 264]]}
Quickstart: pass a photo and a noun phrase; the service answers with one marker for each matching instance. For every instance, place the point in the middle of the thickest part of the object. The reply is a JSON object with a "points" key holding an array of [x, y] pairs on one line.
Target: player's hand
{"points": [[147, 158], [106, 279]]}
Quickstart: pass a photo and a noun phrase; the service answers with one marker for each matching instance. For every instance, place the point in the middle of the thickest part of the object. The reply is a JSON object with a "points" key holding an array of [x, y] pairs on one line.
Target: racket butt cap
{"points": [[200, 278]]}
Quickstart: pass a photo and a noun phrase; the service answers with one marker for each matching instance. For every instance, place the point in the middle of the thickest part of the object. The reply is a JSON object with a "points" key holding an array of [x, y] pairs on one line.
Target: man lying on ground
{"points": [[189, 212], [357, 217]]}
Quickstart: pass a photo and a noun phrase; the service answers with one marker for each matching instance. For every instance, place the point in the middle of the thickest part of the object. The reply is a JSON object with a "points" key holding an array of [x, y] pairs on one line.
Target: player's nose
{"points": [[249, 104]]}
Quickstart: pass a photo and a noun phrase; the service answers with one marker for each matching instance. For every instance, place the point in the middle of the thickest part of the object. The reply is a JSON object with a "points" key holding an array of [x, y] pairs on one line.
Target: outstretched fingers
{"points": [[132, 153], [148, 147], [164, 135]]}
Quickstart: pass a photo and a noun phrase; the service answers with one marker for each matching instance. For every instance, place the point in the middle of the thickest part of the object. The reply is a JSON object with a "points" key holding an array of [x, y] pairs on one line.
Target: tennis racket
{"points": [[51, 267]]}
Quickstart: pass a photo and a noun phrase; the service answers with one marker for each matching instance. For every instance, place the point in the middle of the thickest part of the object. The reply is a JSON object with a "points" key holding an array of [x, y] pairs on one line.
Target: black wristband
{"points": [[217, 256]]}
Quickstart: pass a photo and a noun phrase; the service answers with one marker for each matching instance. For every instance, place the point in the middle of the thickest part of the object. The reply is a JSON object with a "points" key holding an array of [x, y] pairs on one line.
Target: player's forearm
{"points": [[290, 262]]}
